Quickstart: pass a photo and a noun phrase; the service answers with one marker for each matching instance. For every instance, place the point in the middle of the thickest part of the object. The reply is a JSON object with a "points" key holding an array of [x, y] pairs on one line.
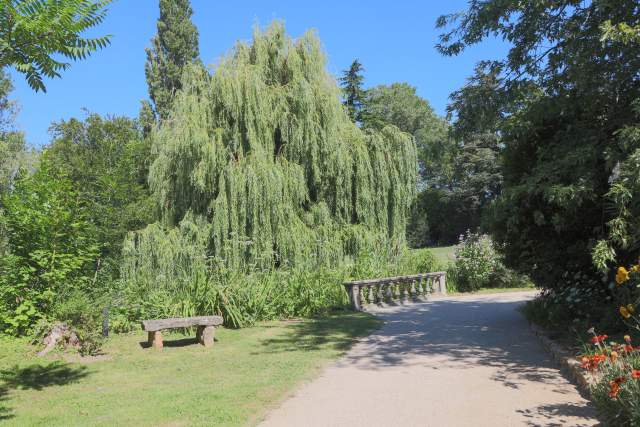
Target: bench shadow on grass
{"points": [[36, 377], [337, 331], [171, 341]]}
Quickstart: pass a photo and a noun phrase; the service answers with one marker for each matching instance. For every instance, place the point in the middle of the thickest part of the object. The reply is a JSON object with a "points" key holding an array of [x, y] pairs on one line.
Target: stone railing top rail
{"points": [[388, 288], [396, 279]]}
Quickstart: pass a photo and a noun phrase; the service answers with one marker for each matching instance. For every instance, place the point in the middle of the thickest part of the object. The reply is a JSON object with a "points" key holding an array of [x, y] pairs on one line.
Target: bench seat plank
{"points": [[181, 322]]}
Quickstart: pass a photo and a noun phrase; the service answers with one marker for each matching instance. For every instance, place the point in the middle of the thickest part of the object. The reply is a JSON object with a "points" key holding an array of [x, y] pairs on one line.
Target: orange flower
{"points": [[591, 363], [614, 386], [614, 356], [614, 389], [628, 348], [635, 373], [624, 312], [622, 275]]}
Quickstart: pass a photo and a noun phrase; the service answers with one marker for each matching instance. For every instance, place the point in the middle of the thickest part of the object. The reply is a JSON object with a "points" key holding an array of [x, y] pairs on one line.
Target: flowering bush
{"points": [[476, 261], [616, 366]]}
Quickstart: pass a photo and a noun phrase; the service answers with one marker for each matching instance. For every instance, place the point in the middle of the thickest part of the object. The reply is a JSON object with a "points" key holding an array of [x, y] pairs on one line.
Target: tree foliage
{"points": [[52, 245], [563, 92], [353, 91], [264, 163], [14, 155], [108, 161], [172, 49], [34, 33], [399, 105]]}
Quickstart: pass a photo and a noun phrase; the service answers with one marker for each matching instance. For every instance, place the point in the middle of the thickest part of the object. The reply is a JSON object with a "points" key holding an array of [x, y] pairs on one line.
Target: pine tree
{"points": [[173, 48], [354, 94]]}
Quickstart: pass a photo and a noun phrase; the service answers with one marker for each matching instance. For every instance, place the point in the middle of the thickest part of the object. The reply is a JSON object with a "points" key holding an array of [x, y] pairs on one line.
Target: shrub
{"points": [[182, 281], [52, 249], [84, 315], [476, 262], [616, 391]]}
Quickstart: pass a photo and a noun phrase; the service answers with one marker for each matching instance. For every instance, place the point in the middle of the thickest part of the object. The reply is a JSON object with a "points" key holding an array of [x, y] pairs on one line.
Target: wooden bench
{"points": [[205, 333]]}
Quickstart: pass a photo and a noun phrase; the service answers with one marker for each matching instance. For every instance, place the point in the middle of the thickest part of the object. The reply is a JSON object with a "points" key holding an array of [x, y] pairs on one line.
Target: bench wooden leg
{"points": [[205, 335], [155, 340]]}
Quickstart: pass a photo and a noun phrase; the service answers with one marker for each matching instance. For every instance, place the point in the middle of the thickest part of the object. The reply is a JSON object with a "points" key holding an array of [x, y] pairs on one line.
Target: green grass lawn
{"points": [[444, 254], [234, 383]]}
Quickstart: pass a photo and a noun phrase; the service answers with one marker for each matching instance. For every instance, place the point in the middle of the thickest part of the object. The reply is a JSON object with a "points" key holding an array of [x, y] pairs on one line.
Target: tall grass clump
{"points": [[174, 277]]}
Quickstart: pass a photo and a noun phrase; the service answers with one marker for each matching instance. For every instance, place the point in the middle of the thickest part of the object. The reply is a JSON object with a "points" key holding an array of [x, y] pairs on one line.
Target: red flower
{"points": [[599, 338], [614, 389], [635, 373], [591, 363], [619, 380], [614, 386], [628, 348]]}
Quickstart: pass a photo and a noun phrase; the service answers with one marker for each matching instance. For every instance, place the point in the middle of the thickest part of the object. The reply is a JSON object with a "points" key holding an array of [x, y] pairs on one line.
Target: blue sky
{"points": [[394, 40]]}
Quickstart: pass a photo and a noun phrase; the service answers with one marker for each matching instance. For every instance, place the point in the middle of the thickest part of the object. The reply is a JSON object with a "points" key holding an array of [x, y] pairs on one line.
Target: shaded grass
{"points": [[233, 383]]}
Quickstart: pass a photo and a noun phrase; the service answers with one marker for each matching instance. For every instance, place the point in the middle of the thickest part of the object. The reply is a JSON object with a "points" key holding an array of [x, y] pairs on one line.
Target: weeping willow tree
{"points": [[261, 168]]}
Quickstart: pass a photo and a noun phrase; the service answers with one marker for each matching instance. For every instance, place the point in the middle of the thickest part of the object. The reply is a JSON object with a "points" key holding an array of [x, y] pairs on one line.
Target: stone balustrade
{"points": [[388, 289]]}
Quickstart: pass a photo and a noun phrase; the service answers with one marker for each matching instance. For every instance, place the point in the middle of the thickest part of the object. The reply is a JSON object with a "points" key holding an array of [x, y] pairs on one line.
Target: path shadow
{"points": [[458, 333], [337, 332], [36, 377], [555, 415]]}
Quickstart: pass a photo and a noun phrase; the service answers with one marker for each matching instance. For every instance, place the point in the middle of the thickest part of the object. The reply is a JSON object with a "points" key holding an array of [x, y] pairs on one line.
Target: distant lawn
{"points": [[234, 383], [444, 254]]}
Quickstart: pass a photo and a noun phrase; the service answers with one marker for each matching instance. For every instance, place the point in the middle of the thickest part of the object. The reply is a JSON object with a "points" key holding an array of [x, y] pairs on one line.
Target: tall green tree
{"points": [[263, 169], [479, 111], [34, 34], [174, 47], [15, 158], [353, 90], [565, 92], [107, 161], [399, 105], [12, 143]]}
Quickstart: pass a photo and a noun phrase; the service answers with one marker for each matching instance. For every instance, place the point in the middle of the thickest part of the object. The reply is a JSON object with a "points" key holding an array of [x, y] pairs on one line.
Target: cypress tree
{"points": [[259, 166], [353, 92], [172, 49]]}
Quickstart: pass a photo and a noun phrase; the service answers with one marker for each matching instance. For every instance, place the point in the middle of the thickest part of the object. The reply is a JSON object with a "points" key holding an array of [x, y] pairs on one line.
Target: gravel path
{"points": [[454, 361]]}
